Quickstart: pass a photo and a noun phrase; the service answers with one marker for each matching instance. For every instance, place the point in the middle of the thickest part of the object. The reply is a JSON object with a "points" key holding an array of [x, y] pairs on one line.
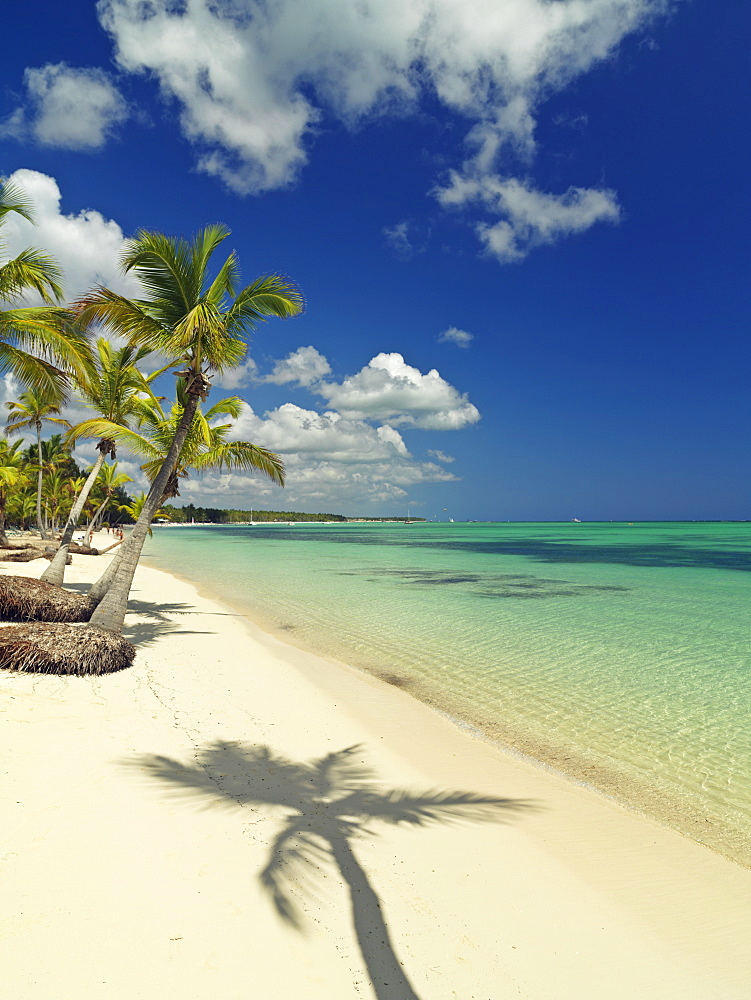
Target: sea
{"points": [[615, 653]]}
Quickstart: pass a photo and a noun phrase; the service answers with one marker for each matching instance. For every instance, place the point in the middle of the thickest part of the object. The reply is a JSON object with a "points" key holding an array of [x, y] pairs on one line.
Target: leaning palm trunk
{"points": [[94, 523], [103, 584], [110, 614], [55, 572]]}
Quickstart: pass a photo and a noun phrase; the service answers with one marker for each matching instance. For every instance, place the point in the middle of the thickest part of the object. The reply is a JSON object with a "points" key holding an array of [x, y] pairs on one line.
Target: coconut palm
{"points": [[38, 344], [22, 508], [108, 486], [205, 449], [134, 508], [193, 320], [111, 388], [60, 493], [13, 478], [324, 805], [33, 408]]}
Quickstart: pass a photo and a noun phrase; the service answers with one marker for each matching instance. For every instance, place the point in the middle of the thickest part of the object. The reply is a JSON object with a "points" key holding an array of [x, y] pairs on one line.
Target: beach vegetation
{"points": [[199, 323], [13, 477], [108, 494], [234, 515], [31, 410], [40, 345], [112, 387], [134, 508]]}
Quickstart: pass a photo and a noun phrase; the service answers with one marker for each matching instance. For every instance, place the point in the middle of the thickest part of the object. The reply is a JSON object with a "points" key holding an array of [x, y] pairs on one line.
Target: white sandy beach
{"points": [[116, 884]]}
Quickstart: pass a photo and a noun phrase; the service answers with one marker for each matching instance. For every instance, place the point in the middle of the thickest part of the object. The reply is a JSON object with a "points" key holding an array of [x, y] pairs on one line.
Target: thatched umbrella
{"points": [[81, 650], [25, 599]]}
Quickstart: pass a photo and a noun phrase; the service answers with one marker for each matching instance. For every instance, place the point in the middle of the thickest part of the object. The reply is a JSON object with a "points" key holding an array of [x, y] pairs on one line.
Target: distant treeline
{"points": [[218, 515]]}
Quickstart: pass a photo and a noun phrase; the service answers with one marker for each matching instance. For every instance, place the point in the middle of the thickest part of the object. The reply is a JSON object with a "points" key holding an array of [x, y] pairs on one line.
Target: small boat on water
{"points": [[576, 520]]}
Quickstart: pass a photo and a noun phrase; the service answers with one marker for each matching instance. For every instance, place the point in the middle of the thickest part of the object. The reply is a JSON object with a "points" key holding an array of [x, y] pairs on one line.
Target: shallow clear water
{"points": [[616, 653]]}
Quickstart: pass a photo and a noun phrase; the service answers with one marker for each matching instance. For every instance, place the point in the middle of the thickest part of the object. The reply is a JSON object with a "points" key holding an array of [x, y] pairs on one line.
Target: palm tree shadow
{"points": [[325, 804], [147, 633]]}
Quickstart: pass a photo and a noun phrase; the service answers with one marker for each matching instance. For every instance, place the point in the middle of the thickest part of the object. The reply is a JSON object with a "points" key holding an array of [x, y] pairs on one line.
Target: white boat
{"points": [[576, 520]]}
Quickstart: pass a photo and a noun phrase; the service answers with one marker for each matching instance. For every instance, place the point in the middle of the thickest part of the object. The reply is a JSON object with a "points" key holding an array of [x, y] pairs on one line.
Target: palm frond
{"points": [[101, 428], [50, 332], [270, 295], [230, 406], [225, 282], [129, 317], [13, 199], [241, 456], [162, 264], [31, 270], [202, 246], [32, 371]]}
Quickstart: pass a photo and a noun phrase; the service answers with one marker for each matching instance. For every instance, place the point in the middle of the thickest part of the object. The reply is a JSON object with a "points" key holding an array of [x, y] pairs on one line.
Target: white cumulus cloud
{"points": [[389, 390], [329, 459], [68, 107], [292, 430], [305, 366], [86, 244], [255, 79]]}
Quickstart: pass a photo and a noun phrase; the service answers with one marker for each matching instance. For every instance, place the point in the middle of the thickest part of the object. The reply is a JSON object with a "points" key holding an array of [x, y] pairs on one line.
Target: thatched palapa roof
{"points": [[80, 650], [25, 599]]}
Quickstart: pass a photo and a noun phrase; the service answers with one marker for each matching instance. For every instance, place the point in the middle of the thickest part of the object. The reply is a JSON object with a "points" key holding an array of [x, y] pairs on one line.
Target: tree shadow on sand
{"points": [[326, 804]]}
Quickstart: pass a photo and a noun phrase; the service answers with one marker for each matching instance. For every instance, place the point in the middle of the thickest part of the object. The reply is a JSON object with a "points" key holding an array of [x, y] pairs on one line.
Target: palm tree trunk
{"points": [[40, 523], [384, 968], [110, 613], [103, 584], [92, 525], [4, 543], [55, 572]]}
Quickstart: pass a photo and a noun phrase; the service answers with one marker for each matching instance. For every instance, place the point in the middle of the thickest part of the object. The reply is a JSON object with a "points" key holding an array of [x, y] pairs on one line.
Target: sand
{"points": [[136, 824]]}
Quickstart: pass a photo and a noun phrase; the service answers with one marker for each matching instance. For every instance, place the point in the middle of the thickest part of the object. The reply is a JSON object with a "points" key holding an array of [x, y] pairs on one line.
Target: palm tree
{"points": [[134, 508], [35, 340], [108, 485], [33, 408], [194, 321], [326, 804], [56, 460], [22, 507], [111, 388], [59, 496], [12, 479], [205, 449]]}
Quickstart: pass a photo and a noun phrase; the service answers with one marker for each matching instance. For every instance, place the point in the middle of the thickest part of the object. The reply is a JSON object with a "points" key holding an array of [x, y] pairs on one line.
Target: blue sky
{"points": [[520, 227]]}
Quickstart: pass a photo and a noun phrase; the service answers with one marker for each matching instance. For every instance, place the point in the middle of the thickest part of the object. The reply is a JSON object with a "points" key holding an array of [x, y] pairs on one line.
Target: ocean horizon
{"points": [[616, 653]]}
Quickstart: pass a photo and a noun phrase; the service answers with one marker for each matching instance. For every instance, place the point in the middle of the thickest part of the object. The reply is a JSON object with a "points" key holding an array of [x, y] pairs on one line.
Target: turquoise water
{"points": [[616, 653]]}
